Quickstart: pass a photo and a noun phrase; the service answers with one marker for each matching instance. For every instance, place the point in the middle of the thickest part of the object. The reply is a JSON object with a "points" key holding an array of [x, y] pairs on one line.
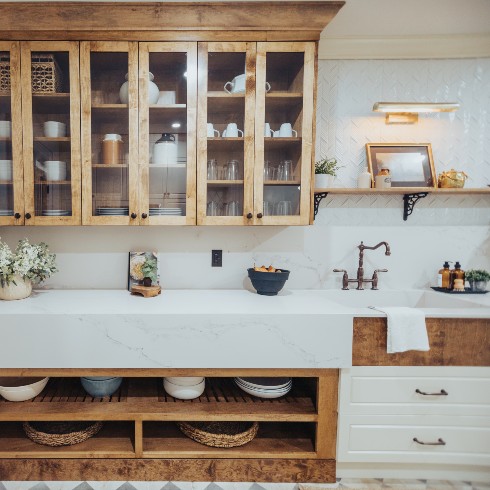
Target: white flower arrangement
{"points": [[33, 262]]}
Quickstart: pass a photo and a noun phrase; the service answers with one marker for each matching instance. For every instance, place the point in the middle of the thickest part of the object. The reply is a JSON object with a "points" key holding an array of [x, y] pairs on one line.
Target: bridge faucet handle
{"points": [[375, 278], [345, 279], [381, 270]]}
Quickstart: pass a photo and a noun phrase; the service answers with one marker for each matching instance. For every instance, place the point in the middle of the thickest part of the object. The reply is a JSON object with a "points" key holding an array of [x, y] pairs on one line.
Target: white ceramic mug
{"points": [[166, 97], [5, 129], [287, 131], [212, 133], [54, 129], [268, 132], [232, 131], [5, 169], [237, 84], [54, 169], [276, 134]]}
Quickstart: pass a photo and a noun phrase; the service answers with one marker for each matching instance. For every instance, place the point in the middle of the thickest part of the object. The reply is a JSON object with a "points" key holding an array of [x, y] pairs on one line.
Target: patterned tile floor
{"points": [[348, 484]]}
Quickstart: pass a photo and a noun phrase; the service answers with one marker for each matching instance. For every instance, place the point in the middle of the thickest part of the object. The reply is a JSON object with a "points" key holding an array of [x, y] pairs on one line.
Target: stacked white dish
{"points": [[185, 387], [55, 212], [265, 387], [165, 212], [6, 212], [21, 389], [107, 211]]}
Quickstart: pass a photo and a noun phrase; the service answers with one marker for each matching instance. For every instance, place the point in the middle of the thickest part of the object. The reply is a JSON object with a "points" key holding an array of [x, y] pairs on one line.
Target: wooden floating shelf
{"points": [[284, 95], [225, 95], [156, 107], [54, 140], [105, 107], [115, 165], [221, 183], [405, 190], [145, 399], [225, 139]]}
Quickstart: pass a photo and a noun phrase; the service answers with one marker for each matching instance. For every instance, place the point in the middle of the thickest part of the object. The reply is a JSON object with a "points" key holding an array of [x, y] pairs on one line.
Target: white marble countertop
{"points": [[201, 328]]}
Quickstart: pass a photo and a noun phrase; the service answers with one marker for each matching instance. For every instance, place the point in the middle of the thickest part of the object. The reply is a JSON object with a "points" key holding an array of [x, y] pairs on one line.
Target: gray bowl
{"points": [[268, 283], [101, 387]]}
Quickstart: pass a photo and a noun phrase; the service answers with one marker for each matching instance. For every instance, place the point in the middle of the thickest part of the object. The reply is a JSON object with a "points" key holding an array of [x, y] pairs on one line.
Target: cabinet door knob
{"points": [[440, 442], [441, 393], [144, 215], [133, 215], [28, 215], [17, 215], [259, 215], [250, 215]]}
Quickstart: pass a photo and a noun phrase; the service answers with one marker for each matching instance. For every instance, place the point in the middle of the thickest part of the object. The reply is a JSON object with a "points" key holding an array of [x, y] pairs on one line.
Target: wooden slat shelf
{"points": [[104, 165], [224, 183], [53, 182], [405, 190], [282, 182], [284, 95], [145, 399], [274, 440], [224, 95], [115, 440]]}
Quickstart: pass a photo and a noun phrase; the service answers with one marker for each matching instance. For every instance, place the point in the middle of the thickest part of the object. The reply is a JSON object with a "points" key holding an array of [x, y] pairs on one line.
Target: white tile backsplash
{"points": [[441, 227]]}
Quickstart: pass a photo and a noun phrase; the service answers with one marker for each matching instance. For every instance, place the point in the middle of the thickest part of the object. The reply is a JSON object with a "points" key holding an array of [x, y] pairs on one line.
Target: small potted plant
{"points": [[325, 171], [478, 279], [27, 265]]}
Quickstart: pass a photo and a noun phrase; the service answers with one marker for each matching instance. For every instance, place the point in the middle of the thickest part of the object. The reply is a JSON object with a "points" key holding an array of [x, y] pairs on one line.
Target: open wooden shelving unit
{"points": [[139, 423]]}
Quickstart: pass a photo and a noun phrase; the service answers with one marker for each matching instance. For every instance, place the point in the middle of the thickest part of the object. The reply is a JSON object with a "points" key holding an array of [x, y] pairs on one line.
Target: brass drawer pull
{"points": [[441, 393], [440, 442]]}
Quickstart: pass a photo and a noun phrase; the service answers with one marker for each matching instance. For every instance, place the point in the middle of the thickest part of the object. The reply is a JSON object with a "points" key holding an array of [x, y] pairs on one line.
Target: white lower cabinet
{"points": [[414, 422]]}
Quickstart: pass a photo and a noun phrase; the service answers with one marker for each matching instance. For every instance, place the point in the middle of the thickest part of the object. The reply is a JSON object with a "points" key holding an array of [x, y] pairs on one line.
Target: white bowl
{"points": [[23, 393], [185, 380], [184, 392]]}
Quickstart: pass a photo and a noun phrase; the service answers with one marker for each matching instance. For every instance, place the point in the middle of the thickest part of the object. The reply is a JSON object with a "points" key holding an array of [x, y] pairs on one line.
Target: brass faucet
{"points": [[360, 270]]}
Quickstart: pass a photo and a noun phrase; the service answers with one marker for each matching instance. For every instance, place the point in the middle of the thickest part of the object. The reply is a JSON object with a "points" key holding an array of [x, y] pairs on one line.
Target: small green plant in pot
{"points": [[478, 279], [325, 171]]}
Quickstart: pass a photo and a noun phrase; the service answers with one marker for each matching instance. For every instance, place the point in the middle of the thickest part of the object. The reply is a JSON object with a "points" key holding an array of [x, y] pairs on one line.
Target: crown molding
{"points": [[410, 47]]}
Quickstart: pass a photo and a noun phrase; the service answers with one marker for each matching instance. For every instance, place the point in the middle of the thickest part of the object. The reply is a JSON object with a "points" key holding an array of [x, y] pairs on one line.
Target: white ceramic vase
{"points": [[323, 181], [153, 91], [20, 290]]}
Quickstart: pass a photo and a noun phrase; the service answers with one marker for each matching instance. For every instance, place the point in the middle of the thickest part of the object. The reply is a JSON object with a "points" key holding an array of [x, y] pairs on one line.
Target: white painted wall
{"points": [[441, 228]]}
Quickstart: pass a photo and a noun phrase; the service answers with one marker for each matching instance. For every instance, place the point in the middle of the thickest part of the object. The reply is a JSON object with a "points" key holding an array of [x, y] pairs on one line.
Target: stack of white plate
{"points": [[55, 212], [265, 387], [165, 212], [105, 211], [6, 212], [185, 387]]}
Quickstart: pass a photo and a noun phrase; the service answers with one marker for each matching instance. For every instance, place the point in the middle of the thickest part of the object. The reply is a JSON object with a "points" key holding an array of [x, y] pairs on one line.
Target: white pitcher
{"points": [[54, 169]]}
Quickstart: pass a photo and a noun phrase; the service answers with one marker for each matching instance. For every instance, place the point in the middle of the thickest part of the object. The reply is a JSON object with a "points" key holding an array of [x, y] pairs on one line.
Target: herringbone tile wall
{"points": [[347, 91]]}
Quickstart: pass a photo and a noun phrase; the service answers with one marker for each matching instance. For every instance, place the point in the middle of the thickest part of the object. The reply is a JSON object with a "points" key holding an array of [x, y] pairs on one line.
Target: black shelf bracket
{"points": [[409, 202], [319, 197]]}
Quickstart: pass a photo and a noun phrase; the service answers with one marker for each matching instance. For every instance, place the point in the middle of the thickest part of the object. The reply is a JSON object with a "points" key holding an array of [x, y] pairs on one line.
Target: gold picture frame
{"points": [[411, 164]]}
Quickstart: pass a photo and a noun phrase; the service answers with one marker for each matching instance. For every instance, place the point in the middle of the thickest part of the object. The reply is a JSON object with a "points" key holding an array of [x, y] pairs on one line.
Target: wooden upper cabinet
{"points": [[225, 133], [167, 133], [11, 166], [109, 101], [51, 132], [284, 125]]}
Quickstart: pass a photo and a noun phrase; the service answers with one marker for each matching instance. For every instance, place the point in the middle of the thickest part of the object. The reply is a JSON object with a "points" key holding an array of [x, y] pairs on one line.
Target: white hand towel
{"points": [[406, 329]]}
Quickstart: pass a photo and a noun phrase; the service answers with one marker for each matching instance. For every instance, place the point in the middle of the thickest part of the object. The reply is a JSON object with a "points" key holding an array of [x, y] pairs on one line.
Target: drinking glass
{"points": [[213, 208], [269, 171], [268, 208], [285, 170], [232, 170], [284, 208], [212, 169], [232, 208]]}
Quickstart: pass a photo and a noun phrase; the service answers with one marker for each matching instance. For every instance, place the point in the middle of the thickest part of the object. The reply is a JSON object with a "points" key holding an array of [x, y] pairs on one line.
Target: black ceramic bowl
{"points": [[268, 283]]}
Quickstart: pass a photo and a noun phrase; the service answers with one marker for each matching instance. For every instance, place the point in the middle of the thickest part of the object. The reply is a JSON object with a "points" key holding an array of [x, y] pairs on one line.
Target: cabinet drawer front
{"points": [[395, 443], [418, 390]]}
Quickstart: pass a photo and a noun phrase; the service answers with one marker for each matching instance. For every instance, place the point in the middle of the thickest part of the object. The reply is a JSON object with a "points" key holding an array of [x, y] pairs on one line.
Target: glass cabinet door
{"points": [[51, 117], [11, 171], [284, 132], [109, 99], [167, 132], [226, 133]]}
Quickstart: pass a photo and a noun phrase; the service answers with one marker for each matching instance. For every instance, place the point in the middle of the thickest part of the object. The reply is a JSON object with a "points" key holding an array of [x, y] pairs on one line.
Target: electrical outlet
{"points": [[216, 258]]}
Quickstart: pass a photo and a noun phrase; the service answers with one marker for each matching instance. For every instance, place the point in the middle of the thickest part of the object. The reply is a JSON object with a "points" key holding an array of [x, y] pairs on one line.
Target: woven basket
{"points": [[4, 73], [220, 434], [46, 74], [60, 433]]}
